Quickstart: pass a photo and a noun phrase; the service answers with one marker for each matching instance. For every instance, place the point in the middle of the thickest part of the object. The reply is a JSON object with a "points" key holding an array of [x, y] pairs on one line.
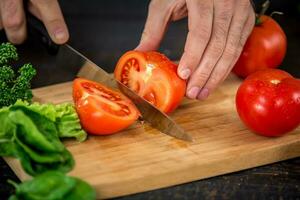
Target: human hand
{"points": [[218, 30], [13, 20]]}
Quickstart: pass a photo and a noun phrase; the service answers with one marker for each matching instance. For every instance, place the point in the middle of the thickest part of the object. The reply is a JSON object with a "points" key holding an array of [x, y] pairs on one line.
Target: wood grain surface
{"points": [[142, 159]]}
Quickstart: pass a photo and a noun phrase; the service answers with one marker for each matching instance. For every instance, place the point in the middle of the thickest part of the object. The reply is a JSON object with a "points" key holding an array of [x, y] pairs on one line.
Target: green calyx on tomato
{"points": [[153, 76], [268, 102]]}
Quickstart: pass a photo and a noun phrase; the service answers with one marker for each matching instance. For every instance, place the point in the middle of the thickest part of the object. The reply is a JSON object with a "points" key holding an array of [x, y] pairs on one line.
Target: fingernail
{"points": [[59, 34], [185, 73], [193, 92], [203, 94]]}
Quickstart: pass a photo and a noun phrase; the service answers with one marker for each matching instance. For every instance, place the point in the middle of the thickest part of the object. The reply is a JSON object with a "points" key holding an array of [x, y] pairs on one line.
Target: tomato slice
{"points": [[102, 110], [153, 76]]}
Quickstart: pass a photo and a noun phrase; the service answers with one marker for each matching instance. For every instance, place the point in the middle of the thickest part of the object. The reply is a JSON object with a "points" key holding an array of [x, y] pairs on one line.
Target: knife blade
{"points": [[150, 114], [66, 56]]}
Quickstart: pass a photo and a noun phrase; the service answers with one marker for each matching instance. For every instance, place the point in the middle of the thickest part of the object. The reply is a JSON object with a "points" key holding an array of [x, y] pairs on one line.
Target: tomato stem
{"points": [[265, 7], [276, 13]]}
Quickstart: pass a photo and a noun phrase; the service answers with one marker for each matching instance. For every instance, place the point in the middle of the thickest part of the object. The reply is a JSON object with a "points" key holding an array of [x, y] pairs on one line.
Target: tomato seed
{"points": [[126, 110]]}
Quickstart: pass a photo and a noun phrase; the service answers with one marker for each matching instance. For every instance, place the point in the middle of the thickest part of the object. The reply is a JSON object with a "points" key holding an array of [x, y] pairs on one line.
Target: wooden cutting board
{"points": [[140, 158]]}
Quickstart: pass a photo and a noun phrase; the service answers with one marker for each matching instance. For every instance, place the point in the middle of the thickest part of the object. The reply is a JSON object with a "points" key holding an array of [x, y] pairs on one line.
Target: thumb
{"points": [[155, 27]]}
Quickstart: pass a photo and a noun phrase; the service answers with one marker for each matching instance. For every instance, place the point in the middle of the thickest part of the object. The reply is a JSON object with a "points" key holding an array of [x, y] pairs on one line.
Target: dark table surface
{"points": [[109, 29]]}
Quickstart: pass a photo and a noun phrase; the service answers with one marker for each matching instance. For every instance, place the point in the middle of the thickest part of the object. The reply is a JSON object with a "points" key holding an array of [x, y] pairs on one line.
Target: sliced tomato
{"points": [[153, 76], [102, 110]]}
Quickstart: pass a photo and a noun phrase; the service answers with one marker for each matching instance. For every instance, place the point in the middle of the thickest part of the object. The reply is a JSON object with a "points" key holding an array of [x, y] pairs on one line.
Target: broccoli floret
{"points": [[14, 87], [8, 52]]}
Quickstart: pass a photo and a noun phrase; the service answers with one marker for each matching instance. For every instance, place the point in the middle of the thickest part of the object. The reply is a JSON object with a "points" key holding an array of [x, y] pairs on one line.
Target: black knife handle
{"points": [[37, 30]]}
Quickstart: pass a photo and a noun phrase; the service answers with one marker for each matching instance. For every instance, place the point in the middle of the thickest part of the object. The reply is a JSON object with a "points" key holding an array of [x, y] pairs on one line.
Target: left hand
{"points": [[13, 20], [218, 30]]}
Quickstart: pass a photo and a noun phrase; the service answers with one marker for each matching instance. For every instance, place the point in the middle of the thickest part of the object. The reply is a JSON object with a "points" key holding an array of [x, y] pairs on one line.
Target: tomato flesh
{"points": [[101, 110], [153, 76], [131, 64], [268, 102]]}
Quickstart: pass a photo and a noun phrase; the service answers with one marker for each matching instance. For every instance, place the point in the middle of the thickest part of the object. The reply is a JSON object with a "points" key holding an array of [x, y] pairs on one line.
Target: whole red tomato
{"points": [[102, 110], [268, 102], [265, 48], [153, 76]]}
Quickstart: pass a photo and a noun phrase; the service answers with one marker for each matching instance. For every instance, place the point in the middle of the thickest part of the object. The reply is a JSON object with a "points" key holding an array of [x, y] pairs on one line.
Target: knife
{"points": [[66, 56]]}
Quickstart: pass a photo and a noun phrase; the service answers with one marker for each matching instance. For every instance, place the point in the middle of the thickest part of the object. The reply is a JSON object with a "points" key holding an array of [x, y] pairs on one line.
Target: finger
{"points": [[200, 24], [1, 27], [240, 29], [155, 26], [13, 20], [34, 10], [180, 10], [250, 23], [223, 12], [51, 15]]}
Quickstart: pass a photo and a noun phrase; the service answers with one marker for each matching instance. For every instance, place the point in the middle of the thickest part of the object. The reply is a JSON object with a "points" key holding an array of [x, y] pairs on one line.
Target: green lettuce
{"points": [[7, 132], [34, 139], [63, 115]]}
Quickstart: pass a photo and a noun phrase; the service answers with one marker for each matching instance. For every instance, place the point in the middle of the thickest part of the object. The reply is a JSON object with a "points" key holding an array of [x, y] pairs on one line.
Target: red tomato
{"points": [[153, 76], [268, 102], [265, 48], [101, 110]]}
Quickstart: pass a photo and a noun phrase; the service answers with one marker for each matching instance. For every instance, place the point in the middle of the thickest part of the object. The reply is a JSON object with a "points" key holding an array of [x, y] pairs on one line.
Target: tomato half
{"points": [[268, 102], [265, 48], [102, 110], [153, 76]]}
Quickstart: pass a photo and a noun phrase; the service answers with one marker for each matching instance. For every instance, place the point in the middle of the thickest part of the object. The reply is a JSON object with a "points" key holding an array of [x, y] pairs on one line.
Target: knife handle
{"points": [[37, 30]]}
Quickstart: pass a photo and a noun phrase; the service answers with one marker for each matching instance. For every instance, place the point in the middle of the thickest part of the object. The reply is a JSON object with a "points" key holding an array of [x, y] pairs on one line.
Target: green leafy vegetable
{"points": [[13, 87], [64, 116], [32, 138], [53, 185]]}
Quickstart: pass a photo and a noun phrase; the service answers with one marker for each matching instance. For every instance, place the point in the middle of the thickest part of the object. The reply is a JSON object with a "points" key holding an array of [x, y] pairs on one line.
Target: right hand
{"points": [[13, 20], [218, 30]]}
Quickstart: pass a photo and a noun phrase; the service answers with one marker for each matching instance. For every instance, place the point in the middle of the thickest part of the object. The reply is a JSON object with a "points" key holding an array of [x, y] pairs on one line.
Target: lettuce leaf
{"points": [[34, 139], [7, 131], [64, 115]]}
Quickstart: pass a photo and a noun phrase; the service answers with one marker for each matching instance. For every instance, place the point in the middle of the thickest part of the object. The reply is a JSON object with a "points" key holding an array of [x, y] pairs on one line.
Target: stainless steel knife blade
{"points": [[89, 70]]}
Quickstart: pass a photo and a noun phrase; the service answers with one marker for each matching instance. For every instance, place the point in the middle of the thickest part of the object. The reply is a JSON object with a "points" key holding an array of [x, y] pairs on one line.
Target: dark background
{"points": [[104, 30]]}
